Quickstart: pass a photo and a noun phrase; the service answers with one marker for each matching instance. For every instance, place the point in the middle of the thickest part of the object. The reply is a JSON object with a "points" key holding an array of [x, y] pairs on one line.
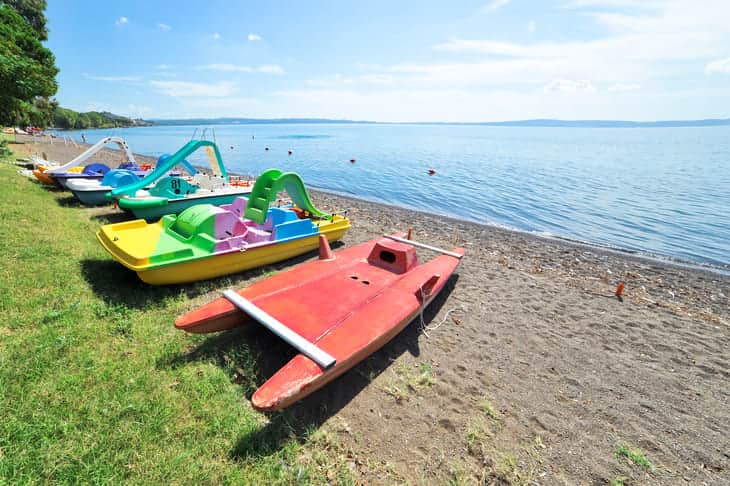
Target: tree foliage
{"points": [[33, 11], [65, 118], [27, 68]]}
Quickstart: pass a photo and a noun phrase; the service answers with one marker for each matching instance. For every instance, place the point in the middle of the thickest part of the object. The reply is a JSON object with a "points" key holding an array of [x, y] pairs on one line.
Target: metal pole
{"points": [[307, 348], [423, 245]]}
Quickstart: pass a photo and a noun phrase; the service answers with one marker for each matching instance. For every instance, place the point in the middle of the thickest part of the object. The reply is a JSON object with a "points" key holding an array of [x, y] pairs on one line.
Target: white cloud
{"points": [[267, 69], [97, 106], [719, 66], [569, 86], [375, 79], [531, 26], [190, 89], [270, 69], [164, 27], [494, 5], [639, 4], [163, 66], [216, 36], [138, 110], [254, 37], [227, 103], [622, 87], [113, 78], [499, 48], [122, 21], [226, 67]]}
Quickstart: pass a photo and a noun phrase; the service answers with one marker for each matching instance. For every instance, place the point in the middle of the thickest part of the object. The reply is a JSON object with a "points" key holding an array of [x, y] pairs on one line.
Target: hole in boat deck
{"points": [[354, 277], [366, 282], [387, 256]]}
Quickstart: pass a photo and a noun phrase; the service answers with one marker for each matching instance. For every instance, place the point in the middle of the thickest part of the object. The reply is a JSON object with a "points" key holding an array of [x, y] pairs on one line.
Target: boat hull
{"points": [[348, 307], [155, 208], [96, 197], [62, 180], [220, 265]]}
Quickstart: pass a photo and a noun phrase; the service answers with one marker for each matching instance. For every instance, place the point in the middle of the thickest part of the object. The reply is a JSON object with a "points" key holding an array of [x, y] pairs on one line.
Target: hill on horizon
{"points": [[540, 122]]}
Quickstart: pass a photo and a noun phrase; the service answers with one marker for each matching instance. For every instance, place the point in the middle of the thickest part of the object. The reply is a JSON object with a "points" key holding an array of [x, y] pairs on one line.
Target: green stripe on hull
{"points": [[177, 206]]}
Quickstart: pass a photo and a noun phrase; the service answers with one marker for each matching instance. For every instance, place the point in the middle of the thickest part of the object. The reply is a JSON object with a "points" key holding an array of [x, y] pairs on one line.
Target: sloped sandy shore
{"points": [[529, 369]]}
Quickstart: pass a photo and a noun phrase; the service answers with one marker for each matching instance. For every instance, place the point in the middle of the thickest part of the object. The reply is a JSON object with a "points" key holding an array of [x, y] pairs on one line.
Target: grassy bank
{"points": [[95, 383]]}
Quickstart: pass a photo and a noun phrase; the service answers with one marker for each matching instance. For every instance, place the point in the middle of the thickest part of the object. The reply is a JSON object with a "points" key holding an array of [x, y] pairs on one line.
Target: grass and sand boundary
{"points": [[537, 373]]}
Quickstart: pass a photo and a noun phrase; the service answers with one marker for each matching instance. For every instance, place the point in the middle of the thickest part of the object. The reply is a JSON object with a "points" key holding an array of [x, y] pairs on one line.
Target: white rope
{"points": [[432, 327]]}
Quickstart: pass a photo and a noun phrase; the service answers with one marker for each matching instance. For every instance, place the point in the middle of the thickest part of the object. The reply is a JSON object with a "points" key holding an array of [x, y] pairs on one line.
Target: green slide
{"points": [[268, 185], [167, 165]]}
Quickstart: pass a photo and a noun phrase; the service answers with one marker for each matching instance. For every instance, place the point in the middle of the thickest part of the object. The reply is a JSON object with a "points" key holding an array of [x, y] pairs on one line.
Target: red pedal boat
{"points": [[336, 310]]}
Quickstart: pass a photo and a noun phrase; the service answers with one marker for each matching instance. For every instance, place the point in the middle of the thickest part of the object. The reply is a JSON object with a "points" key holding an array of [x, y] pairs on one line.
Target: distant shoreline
{"points": [[535, 123]]}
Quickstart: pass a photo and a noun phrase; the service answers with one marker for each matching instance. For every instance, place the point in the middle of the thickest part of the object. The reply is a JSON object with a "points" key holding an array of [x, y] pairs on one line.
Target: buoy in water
{"points": [[352, 161], [290, 152], [431, 171], [267, 149]]}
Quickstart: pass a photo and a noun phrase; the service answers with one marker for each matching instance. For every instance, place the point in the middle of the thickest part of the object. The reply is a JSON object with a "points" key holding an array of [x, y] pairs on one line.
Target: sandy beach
{"points": [[528, 367]]}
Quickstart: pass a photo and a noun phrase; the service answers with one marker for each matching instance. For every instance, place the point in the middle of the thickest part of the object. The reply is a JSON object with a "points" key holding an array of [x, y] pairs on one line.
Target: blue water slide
{"points": [[165, 164]]}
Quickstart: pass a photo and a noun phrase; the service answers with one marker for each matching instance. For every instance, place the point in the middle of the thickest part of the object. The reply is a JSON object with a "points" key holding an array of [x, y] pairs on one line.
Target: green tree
{"points": [[83, 121], [33, 11], [27, 69], [65, 118], [95, 119], [42, 111]]}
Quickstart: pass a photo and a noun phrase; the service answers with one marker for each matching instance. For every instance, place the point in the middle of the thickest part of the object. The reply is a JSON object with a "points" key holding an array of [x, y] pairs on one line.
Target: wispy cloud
{"points": [[191, 89], [254, 37], [531, 26], [719, 66], [381, 79], [570, 86], [164, 27], [216, 36], [639, 4], [113, 78], [270, 69], [267, 69], [163, 66], [494, 5], [122, 21], [623, 87], [657, 40]]}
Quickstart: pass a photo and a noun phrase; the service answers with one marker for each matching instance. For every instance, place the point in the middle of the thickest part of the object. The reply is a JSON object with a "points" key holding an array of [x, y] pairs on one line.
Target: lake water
{"points": [[661, 191]]}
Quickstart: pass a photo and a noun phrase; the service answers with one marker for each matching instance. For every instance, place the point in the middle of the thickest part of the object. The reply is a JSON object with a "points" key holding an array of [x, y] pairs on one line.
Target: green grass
{"points": [[96, 385], [485, 405], [633, 455], [620, 481]]}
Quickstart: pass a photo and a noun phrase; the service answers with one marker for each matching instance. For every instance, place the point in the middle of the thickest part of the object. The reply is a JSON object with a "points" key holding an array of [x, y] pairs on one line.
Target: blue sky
{"points": [[395, 60]]}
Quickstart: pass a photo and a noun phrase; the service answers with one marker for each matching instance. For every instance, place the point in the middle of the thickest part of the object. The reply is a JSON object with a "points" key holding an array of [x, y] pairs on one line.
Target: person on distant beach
{"points": [[83, 138]]}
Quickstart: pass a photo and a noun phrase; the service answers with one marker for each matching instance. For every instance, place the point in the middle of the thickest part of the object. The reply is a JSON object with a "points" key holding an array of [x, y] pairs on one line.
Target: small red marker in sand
{"points": [[325, 252], [410, 234], [619, 290], [431, 171]]}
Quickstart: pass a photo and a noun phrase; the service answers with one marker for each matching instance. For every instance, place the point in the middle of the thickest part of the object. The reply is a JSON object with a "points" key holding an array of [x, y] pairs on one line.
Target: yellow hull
{"points": [[219, 265], [40, 174]]}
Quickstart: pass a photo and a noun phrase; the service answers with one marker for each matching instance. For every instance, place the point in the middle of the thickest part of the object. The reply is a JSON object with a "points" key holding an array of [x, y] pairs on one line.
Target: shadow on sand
{"points": [[271, 353]]}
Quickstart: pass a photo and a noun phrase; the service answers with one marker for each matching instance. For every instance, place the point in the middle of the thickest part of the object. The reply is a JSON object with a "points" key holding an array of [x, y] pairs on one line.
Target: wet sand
{"points": [[532, 370]]}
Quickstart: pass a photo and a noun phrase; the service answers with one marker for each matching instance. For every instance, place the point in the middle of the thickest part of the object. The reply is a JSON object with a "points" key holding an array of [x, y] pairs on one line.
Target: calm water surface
{"points": [[663, 191]]}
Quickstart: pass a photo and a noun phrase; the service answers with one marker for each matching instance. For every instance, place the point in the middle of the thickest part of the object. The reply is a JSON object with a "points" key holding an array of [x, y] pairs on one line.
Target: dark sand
{"points": [[537, 373]]}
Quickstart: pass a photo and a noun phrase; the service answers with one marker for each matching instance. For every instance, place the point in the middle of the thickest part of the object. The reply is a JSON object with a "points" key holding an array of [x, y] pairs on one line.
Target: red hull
{"points": [[348, 306]]}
